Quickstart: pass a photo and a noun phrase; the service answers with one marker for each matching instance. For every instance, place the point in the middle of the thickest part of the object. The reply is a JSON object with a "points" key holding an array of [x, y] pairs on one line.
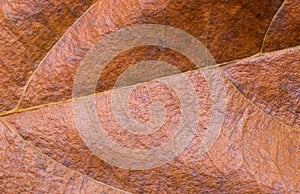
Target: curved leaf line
{"points": [[270, 25], [48, 53]]}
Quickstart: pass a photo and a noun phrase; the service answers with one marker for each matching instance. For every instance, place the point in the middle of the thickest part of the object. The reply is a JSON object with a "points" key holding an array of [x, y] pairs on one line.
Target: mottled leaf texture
{"points": [[256, 47]]}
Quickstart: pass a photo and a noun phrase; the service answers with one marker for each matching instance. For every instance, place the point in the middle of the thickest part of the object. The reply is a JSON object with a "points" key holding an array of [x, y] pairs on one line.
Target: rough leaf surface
{"points": [[256, 46]]}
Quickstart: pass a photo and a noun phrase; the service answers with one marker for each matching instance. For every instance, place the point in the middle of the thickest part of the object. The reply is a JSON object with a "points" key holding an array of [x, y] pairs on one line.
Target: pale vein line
{"points": [[54, 46], [188, 72], [49, 52], [258, 108], [108, 91], [270, 25], [17, 110]]}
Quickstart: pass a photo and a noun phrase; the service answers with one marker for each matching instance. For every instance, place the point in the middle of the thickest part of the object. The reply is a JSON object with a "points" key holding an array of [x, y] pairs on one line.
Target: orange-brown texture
{"points": [[237, 33], [258, 150], [24, 169], [250, 154], [284, 30], [29, 29]]}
